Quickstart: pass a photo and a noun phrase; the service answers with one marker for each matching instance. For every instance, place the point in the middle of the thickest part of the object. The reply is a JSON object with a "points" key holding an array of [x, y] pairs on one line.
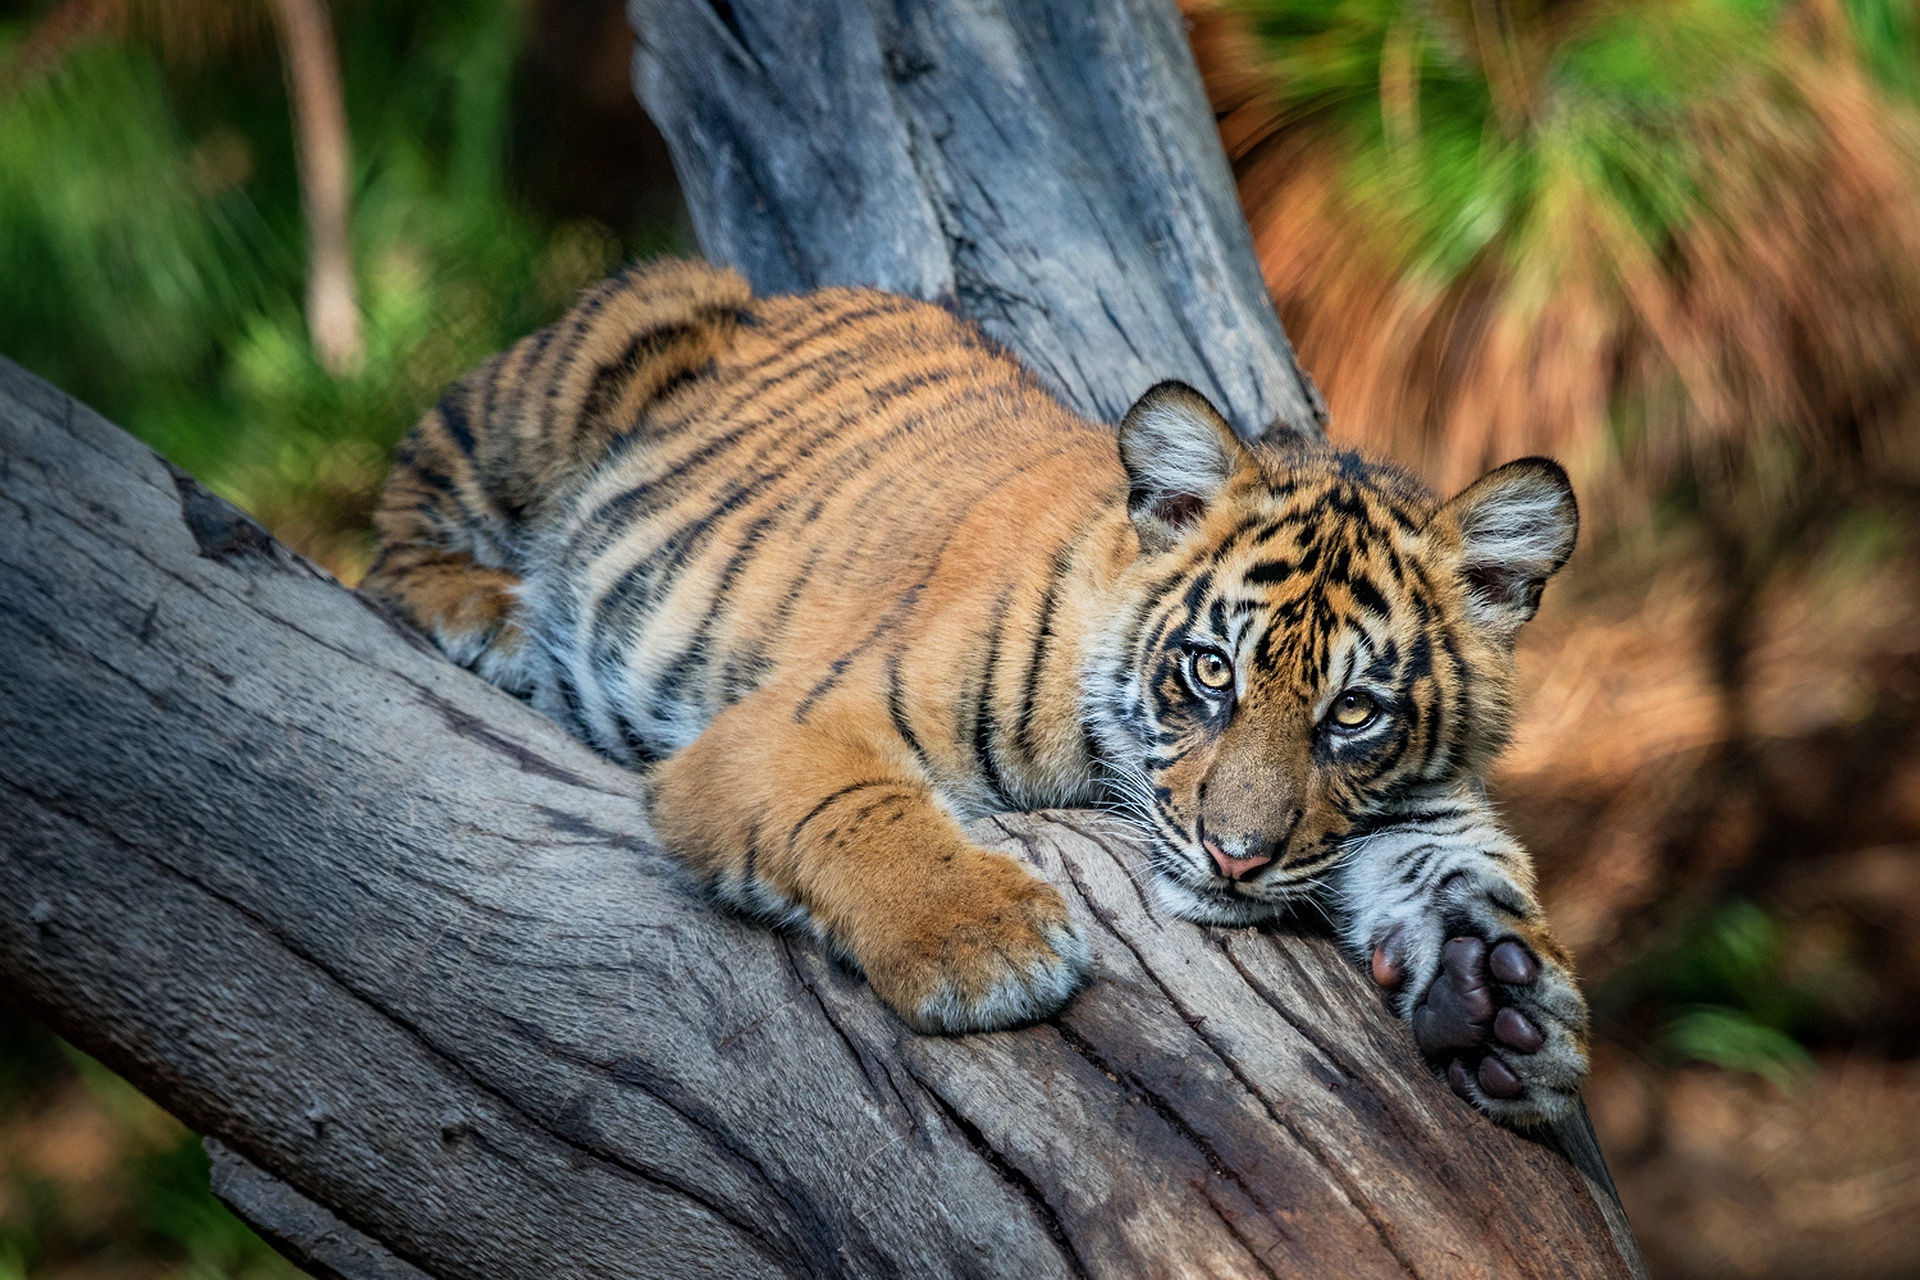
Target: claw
{"points": [[1389, 965], [1497, 1078], [1460, 1079]]}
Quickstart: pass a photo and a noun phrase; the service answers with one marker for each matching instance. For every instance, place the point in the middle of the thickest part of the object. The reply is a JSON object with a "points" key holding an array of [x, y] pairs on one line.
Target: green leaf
{"points": [[1729, 1038]]}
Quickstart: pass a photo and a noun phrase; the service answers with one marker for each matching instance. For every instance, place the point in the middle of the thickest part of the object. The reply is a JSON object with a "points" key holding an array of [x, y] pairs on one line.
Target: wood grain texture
{"points": [[406, 951], [1050, 167]]}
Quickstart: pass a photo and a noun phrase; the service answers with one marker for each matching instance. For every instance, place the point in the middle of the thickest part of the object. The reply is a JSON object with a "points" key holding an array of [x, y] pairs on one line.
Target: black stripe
{"points": [[642, 753], [610, 380], [1089, 743], [618, 614], [438, 481], [570, 698], [1460, 719], [750, 874], [1042, 636], [585, 316], [453, 415], [842, 793], [1267, 573], [984, 721], [698, 653], [1226, 544], [897, 613], [897, 710]]}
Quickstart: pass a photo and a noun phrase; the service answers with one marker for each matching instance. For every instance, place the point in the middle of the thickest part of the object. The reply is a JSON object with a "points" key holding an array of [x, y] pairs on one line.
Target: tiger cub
{"points": [[839, 576]]}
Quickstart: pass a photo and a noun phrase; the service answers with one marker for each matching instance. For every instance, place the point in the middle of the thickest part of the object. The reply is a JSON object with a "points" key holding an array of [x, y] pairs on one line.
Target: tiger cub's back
{"points": [[717, 489]]}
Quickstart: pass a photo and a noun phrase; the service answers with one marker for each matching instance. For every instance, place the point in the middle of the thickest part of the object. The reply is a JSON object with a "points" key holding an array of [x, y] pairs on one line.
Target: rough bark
{"points": [[405, 951], [1048, 166]]}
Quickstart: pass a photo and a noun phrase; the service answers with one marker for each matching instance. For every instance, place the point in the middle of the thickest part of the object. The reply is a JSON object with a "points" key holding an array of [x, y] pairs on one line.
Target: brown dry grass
{"points": [[1788, 301]]}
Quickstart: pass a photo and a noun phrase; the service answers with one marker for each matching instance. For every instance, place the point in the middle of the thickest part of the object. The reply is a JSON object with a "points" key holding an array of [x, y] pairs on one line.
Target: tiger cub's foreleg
{"points": [[813, 825], [1441, 905]]}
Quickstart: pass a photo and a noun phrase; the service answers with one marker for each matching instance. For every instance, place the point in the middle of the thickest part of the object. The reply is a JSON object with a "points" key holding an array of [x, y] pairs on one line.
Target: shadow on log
{"points": [[405, 951]]}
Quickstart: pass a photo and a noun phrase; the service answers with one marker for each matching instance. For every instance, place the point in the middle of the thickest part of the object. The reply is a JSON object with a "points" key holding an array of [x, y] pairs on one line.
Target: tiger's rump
{"points": [[851, 491]]}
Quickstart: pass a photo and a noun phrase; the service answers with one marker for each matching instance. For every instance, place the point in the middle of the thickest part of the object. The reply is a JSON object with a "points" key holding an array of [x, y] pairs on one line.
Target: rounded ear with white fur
{"points": [[1517, 527], [1179, 452]]}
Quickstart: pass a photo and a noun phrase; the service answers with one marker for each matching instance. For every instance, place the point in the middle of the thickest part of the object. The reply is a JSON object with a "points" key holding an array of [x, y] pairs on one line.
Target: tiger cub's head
{"points": [[1308, 639]]}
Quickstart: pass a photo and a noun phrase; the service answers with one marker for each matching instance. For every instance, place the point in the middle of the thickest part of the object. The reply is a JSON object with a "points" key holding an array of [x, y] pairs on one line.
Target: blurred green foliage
{"points": [[1460, 141], [1733, 1003], [1458, 125], [151, 262], [1887, 34], [152, 249]]}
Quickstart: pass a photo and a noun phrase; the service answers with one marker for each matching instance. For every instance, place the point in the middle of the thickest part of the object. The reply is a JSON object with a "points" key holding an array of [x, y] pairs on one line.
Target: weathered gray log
{"points": [[1048, 166], [404, 949], [399, 943]]}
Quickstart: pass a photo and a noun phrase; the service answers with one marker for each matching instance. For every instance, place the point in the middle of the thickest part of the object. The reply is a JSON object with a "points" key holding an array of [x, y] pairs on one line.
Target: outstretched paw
{"points": [[1507, 1025], [995, 949]]}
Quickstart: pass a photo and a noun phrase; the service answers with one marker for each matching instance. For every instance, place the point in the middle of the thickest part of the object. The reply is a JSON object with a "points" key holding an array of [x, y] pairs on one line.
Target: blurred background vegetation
{"points": [[1674, 242]]}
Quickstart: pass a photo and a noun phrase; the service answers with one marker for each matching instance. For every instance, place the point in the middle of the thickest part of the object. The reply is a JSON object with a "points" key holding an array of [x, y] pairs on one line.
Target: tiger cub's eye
{"points": [[1353, 710], [1211, 670]]}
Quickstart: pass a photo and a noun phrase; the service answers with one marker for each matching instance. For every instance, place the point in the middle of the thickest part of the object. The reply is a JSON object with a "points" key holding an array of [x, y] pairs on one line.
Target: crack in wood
{"points": [[1008, 1172], [808, 1224], [1186, 1132]]}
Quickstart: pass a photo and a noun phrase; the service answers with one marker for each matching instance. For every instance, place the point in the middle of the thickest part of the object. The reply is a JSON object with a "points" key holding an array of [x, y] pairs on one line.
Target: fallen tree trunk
{"points": [[404, 951]]}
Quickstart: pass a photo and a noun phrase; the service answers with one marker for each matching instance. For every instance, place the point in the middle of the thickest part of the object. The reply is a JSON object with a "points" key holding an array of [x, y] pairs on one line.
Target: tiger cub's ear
{"points": [[1178, 452], [1517, 527]]}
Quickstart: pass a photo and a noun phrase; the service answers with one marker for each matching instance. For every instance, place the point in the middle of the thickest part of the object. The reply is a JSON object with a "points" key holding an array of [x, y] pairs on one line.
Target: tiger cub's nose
{"points": [[1231, 867]]}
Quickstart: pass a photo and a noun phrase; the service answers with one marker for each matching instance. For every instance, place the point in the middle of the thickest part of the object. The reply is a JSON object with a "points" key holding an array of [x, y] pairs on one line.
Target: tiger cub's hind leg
{"points": [[467, 610], [438, 532], [507, 444], [811, 825]]}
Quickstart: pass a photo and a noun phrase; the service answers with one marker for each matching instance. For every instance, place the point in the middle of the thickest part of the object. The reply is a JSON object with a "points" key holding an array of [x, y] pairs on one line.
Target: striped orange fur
{"points": [[838, 575]]}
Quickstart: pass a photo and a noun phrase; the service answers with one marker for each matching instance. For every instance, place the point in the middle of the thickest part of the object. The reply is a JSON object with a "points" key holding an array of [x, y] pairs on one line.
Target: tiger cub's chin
{"points": [[835, 571], [1217, 906]]}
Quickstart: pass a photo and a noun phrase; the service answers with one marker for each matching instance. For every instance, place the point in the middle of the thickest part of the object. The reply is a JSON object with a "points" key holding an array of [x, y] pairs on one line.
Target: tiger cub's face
{"points": [[1309, 638]]}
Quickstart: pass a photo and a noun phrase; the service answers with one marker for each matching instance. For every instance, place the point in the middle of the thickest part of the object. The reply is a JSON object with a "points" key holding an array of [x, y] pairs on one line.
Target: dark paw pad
{"points": [[1465, 1013]]}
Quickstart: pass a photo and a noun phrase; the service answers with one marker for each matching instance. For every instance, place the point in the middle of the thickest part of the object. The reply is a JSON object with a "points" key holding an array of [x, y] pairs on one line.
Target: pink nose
{"points": [[1233, 868]]}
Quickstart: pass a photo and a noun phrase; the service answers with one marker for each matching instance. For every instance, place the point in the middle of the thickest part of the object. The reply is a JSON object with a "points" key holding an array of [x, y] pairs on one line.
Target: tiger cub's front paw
{"points": [[1500, 1011], [988, 948]]}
